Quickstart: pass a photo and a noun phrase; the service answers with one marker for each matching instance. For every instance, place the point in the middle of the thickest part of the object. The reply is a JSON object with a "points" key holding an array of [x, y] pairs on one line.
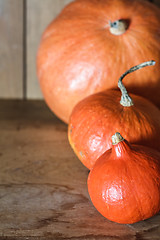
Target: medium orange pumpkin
{"points": [[91, 43], [95, 119], [124, 184]]}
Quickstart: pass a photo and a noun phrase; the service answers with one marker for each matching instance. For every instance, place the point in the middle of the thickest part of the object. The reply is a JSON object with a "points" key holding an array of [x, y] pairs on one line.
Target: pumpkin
{"points": [[95, 119], [90, 44], [124, 184]]}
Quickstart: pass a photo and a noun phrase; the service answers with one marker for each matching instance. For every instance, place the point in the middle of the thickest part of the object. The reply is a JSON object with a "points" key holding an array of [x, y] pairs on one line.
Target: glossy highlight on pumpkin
{"points": [[79, 55], [124, 184]]}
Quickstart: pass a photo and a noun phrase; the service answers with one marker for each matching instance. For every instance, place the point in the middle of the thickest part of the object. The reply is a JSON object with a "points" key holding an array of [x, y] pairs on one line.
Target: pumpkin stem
{"points": [[117, 138], [118, 27], [126, 100]]}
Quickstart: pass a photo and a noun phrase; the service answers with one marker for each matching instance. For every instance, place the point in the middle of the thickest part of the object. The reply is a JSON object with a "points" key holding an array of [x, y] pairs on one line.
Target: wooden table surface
{"points": [[43, 190]]}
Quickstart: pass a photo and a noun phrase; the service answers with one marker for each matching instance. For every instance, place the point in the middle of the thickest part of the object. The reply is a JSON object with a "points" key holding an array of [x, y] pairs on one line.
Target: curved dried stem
{"points": [[126, 100]]}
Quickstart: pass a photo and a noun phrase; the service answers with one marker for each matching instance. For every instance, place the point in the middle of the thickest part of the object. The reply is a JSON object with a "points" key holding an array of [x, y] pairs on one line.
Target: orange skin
{"points": [[78, 56], [124, 184], [95, 119]]}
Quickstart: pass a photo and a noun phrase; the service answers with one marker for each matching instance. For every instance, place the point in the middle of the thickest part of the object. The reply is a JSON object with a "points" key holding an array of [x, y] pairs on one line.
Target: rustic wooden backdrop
{"points": [[21, 25]]}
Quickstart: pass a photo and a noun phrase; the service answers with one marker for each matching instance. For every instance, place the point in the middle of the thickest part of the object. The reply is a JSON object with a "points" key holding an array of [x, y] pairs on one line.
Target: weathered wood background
{"points": [[21, 25]]}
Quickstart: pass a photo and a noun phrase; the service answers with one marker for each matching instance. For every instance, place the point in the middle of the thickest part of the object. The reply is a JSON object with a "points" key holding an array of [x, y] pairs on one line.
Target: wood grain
{"points": [[11, 49], [39, 15], [43, 190]]}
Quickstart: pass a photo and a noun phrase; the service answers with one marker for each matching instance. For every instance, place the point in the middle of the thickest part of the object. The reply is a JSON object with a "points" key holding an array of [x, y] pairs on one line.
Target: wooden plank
{"points": [[39, 15], [43, 190], [11, 49]]}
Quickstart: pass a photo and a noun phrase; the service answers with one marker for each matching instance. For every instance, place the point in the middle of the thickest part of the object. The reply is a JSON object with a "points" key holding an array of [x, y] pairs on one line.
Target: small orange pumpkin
{"points": [[95, 119], [90, 44], [124, 184]]}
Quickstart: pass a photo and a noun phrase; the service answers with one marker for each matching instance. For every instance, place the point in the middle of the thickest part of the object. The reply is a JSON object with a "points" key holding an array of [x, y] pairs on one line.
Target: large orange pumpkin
{"points": [[91, 43]]}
